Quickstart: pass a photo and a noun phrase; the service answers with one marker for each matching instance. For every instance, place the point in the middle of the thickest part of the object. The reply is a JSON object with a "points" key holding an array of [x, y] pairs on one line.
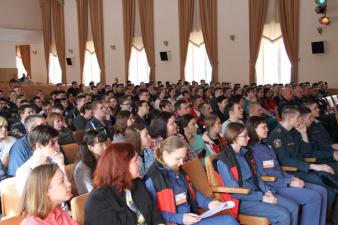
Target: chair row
{"points": [[205, 182]]}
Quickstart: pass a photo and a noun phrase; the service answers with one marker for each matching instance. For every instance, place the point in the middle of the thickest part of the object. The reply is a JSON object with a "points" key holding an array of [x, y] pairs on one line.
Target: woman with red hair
{"points": [[119, 196]]}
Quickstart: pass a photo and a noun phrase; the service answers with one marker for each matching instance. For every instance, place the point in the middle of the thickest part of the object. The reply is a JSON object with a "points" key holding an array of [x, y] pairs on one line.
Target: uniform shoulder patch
{"points": [[277, 143]]}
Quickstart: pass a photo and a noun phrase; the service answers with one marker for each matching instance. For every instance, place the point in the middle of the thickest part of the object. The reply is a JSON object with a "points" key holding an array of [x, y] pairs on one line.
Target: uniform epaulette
{"points": [[278, 130]]}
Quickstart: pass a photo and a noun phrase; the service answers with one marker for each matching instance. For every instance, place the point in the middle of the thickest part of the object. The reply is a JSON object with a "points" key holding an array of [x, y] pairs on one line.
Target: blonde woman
{"points": [[6, 143], [170, 187], [57, 121], [44, 191]]}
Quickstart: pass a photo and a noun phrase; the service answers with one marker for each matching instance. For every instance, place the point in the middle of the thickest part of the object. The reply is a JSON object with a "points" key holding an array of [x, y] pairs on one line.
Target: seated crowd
{"points": [[136, 138]]}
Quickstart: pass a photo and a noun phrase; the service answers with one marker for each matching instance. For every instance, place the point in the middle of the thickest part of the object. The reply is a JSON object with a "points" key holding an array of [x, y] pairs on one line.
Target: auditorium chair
{"points": [[70, 151], [78, 135], [77, 207], [199, 178], [9, 197], [289, 168], [5, 160], [12, 220], [310, 160], [70, 174]]}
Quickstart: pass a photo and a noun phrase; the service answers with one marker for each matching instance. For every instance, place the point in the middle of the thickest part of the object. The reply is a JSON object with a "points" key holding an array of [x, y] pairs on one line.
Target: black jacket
{"points": [[105, 206]]}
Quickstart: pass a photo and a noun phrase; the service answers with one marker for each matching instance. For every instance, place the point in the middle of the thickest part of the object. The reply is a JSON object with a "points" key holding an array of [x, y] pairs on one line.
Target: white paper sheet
{"points": [[221, 207]]}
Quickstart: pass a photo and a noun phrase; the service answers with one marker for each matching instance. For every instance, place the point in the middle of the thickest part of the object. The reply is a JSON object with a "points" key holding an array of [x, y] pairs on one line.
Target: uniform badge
{"points": [[277, 143]]}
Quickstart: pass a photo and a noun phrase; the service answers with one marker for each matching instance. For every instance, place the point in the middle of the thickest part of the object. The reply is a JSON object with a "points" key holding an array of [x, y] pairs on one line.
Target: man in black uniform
{"points": [[291, 143], [18, 128], [322, 140], [319, 151], [4, 112]]}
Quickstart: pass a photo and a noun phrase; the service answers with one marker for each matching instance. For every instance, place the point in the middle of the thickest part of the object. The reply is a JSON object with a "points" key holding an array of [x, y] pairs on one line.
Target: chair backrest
{"points": [[12, 220], [5, 160], [198, 177], [211, 173], [71, 151], [70, 174], [9, 197], [77, 206], [78, 135]]}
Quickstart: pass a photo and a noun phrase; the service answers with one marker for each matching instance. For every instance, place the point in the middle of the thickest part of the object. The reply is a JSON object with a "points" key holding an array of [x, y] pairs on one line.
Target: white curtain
{"points": [[139, 69], [273, 64], [19, 64], [91, 68], [197, 66], [55, 72]]}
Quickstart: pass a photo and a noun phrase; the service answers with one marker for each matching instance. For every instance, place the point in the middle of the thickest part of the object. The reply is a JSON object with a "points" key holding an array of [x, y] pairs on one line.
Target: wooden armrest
{"points": [[289, 168], [310, 160], [269, 178], [228, 190]]}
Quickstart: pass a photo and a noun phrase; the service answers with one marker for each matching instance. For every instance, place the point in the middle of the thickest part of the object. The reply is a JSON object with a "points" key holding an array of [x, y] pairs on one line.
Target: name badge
{"points": [[181, 198], [268, 164]]}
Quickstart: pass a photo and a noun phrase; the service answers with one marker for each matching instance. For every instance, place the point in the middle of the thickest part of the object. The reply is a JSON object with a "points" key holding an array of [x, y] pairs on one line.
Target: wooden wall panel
{"points": [[7, 73]]}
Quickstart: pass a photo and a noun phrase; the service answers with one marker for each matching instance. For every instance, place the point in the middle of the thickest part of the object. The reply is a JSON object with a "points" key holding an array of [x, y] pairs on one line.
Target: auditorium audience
{"points": [[126, 112]]}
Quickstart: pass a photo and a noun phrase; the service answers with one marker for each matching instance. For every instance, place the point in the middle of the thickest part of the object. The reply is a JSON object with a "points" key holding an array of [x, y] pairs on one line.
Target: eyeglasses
{"points": [[243, 136]]}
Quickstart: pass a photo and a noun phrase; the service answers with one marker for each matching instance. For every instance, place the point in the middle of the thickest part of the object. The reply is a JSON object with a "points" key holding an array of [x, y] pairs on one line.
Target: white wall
{"points": [[38, 62], [233, 58], [7, 54], [9, 38], [72, 41], [113, 36], [20, 14], [314, 67], [166, 29]]}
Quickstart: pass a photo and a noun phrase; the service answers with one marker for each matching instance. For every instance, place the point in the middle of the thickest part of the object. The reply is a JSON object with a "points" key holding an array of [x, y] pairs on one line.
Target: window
{"points": [[20, 67], [19, 63], [91, 68], [273, 64], [55, 73], [139, 69], [197, 66]]}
